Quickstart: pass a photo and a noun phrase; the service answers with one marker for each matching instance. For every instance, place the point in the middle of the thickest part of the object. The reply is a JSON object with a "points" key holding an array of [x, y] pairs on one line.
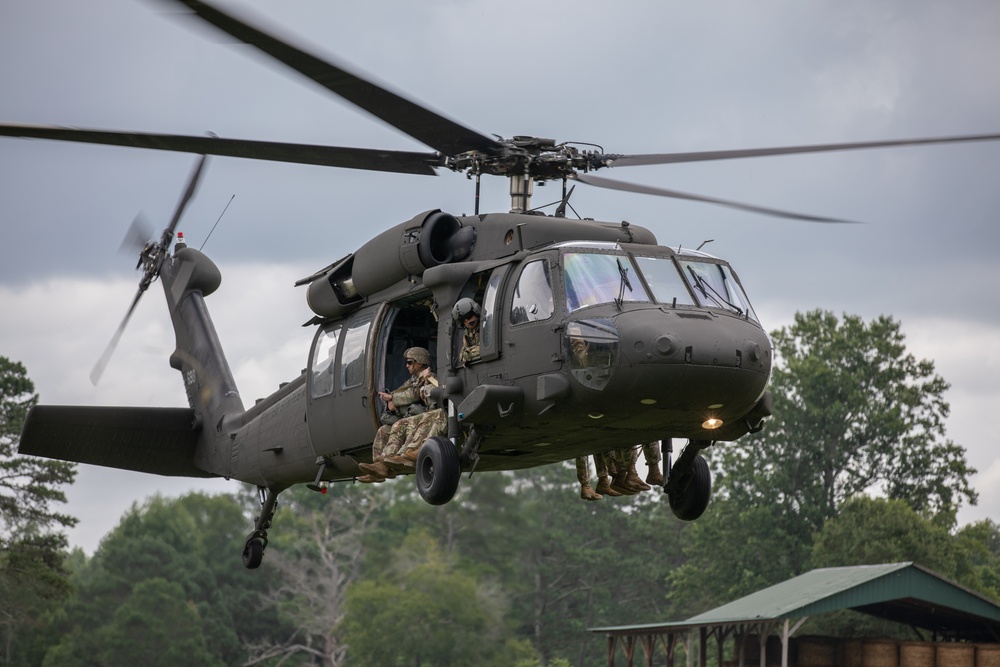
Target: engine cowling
{"points": [[429, 239]]}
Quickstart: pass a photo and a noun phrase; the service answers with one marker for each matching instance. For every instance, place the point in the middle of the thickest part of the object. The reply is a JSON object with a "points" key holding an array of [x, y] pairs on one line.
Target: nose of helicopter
{"points": [[694, 362], [699, 338]]}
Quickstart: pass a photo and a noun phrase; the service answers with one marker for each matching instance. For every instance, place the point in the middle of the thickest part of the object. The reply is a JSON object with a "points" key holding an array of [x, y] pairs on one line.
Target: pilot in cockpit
{"points": [[466, 313]]}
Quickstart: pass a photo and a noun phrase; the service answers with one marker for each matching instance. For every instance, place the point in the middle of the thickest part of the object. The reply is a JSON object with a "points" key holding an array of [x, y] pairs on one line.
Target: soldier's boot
{"points": [[635, 481], [371, 479], [654, 477], [399, 462], [378, 468], [588, 493], [620, 484], [604, 487]]}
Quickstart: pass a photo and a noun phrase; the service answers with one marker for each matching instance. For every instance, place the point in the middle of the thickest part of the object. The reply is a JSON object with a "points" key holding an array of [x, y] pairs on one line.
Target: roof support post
{"points": [[786, 636]]}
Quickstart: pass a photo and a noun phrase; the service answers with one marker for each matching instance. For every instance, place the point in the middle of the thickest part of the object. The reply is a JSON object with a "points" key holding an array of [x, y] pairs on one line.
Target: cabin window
{"points": [[595, 278], [323, 366], [664, 280], [715, 286], [532, 299], [352, 359]]}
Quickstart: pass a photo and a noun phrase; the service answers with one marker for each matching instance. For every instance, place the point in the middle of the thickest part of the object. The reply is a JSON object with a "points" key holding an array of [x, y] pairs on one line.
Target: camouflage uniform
{"points": [[390, 437], [417, 431], [470, 345], [407, 398]]}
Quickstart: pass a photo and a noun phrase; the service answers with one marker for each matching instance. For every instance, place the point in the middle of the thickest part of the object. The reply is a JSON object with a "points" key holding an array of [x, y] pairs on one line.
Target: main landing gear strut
{"points": [[689, 481], [253, 548]]}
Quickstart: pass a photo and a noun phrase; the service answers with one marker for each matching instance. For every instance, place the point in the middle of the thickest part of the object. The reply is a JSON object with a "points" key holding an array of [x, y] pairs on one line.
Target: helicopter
{"points": [[676, 349]]}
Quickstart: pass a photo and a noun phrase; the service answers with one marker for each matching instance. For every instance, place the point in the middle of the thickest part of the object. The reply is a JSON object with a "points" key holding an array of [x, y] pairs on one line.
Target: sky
{"points": [[632, 76]]}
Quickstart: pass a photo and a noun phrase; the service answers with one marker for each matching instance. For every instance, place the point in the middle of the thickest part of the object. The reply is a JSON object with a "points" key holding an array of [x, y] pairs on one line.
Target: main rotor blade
{"points": [[663, 192], [329, 156], [102, 363], [702, 156], [421, 123]]}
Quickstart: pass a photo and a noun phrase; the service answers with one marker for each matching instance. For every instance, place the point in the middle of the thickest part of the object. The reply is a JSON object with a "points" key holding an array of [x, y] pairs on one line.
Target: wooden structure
{"points": [[902, 592]]}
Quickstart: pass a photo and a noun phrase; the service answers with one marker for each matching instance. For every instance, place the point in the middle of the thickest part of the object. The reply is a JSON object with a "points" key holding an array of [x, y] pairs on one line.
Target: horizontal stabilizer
{"points": [[160, 441]]}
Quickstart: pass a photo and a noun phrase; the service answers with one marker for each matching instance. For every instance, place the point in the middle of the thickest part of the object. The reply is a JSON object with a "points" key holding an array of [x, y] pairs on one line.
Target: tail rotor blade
{"points": [[139, 233], [102, 363], [192, 186]]}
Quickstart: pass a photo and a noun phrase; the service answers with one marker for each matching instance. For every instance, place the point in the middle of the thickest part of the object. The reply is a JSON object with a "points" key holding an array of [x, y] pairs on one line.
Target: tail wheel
{"points": [[253, 552], [438, 470], [690, 498]]}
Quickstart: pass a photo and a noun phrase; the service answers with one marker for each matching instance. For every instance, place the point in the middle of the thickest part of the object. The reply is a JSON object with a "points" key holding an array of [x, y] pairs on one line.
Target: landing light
{"points": [[595, 415], [711, 424]]}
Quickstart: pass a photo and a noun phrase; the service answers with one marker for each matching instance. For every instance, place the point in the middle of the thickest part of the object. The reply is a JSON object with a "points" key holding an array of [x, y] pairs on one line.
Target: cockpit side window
{"points": [[715, 286], [593, 278], [532, 298], [490, 320]]}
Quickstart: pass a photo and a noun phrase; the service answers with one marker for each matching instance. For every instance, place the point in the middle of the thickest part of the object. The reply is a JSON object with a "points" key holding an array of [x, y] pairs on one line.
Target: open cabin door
{"points": [[402, 325]]}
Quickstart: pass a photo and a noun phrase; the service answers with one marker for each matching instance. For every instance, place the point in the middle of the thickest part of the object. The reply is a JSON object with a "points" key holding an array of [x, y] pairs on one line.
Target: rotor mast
{"points": [[522, 186]]}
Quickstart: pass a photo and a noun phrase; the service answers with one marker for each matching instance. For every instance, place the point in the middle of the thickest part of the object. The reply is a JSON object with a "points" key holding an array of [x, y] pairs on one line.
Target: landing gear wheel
{"points": [[253, 552], [689, 499], [438, 470]]}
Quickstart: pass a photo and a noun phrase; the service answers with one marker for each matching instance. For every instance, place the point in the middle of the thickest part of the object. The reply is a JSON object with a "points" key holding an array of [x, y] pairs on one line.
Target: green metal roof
{"points": [[902, 592]]}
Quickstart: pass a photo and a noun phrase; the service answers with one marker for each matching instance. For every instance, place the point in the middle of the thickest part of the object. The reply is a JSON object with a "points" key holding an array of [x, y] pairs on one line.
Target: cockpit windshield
{"points": [[665, 281], [593, 278], [715, 286]]}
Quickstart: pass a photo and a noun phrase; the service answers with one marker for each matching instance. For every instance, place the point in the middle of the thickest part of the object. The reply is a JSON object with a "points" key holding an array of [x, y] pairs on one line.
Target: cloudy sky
{"points": [[634, 77]]}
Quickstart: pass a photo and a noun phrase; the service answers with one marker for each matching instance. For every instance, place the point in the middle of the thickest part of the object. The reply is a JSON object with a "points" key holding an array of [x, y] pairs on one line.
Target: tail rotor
{"points": [[152, 254]]}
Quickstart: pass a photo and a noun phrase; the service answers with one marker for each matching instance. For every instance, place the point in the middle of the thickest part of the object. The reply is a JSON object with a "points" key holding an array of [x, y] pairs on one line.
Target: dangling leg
{"points": [[603, 475], [633, 477], [583, 476], [619, 480], [651, 452]]}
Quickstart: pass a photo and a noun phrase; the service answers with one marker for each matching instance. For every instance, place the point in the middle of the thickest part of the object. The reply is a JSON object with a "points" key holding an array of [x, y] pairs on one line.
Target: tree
{"points": [[854, 413], [31, 544], [186, 547], [869, 531], [557, 565], [318, 555], [156, 626], [732, 551], [421, 611]]}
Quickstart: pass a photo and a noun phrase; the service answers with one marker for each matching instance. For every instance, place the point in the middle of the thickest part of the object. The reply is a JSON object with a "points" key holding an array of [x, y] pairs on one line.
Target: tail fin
{"points": [[188, 277]]}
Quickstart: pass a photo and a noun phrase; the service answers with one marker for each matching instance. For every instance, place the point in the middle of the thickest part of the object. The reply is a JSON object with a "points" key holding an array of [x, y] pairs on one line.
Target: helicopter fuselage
{"points": [[597, 342]]}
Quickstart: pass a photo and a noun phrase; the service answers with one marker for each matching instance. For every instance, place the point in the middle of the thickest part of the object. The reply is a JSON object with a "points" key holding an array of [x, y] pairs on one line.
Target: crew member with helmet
{"points": [[466, 313], [401, 404], [396, 442], [406, 400]]}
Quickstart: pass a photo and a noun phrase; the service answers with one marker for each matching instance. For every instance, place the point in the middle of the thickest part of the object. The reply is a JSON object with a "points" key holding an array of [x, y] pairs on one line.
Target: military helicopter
{"points": [[674, 347]]}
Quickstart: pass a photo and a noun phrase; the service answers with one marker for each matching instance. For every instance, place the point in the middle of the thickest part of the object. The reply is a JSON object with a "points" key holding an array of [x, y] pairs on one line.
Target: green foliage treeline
{"points": [[854, 468]]}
